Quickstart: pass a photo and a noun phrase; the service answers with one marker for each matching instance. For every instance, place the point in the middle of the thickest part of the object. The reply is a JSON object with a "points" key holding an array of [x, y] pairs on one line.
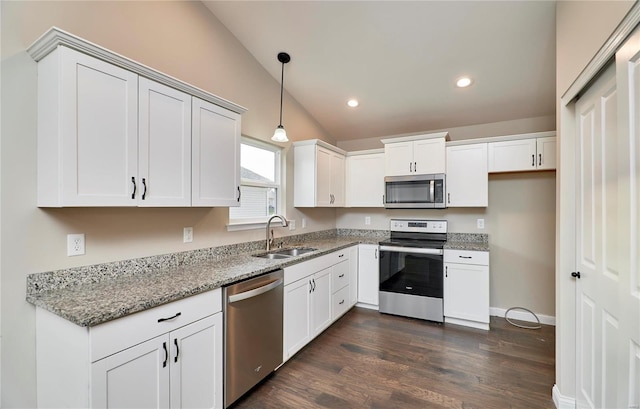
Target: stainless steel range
{"points": [[411, 269]]}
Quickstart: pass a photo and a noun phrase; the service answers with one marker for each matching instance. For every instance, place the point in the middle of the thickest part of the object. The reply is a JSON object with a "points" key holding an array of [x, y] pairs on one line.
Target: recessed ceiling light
{"points": [[353, 103], [463, 82]]}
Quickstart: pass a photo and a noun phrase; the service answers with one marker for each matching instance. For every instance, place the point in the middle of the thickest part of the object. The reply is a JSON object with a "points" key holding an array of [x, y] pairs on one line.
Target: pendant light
{"points": [[280, 135]]}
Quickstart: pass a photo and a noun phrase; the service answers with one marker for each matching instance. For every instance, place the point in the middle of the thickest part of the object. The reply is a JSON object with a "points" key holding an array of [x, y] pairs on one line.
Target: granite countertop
{"points": [[92, 295], [91, 303]]}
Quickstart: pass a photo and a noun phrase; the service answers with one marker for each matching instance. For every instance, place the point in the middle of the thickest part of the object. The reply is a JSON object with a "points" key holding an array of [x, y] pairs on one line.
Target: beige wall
{"points": [[516, 126], [520, 222], [582, 28], [181, 39]]}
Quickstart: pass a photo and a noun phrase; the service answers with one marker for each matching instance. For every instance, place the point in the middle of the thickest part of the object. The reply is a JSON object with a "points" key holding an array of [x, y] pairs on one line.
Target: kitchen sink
{"points": [[285, 253]]}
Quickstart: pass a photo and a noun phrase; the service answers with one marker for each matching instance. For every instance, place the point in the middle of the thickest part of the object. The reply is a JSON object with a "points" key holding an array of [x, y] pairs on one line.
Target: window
{"points": [[259, 183]]}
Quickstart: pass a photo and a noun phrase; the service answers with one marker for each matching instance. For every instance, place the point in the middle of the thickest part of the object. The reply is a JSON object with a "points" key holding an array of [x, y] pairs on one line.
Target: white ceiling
{"points": [[401, 60]]}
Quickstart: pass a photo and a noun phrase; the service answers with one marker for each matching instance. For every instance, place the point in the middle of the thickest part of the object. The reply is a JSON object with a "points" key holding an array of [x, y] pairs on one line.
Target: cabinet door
{"points": [[323, 177], [196, 364], [368, 274], [512, 156], [398, 158], [429, 156], [546, 149], [466, 292], [297, 316], [321, 301], [164, 165], [365, 180], [137, 377], [467, 176], [338, 179], [99, 132], [215, 155]]}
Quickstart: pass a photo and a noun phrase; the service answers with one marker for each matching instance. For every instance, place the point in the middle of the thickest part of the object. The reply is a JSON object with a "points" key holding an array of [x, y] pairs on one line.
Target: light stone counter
{"points": [[88, 296]]}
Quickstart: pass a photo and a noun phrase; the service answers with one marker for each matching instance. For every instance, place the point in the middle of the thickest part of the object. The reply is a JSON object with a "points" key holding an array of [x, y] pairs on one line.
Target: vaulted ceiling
{"points": [[401, 60]]}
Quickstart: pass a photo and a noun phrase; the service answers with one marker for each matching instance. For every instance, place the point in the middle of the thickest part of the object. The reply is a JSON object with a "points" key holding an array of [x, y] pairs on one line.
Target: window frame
{"points": [[260, 222]]}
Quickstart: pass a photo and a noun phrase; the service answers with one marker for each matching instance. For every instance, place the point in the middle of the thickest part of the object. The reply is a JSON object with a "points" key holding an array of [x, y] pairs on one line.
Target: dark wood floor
{"points": [[373, 360]]}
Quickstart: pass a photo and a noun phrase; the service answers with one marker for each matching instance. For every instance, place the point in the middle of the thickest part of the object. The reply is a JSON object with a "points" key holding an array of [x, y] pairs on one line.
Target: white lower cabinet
{"points": [[368, 275], [466, 288], [152, 359], [316, 293]]}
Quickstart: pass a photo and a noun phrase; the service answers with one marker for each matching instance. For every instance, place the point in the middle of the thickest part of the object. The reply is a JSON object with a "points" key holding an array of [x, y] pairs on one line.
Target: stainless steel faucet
{"points": [[285, 223]]}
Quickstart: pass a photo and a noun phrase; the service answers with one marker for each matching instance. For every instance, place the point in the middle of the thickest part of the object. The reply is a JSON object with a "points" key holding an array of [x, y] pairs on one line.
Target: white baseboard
{"points": [[521, 315], [562, 402]]}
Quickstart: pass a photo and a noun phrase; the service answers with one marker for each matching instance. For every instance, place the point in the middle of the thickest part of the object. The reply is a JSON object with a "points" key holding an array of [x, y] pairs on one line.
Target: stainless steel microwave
{"points": [[415, 192]]}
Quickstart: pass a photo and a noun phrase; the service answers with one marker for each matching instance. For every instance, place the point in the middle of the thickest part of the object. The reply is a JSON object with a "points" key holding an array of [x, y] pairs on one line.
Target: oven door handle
{"points": [[416, 250]]}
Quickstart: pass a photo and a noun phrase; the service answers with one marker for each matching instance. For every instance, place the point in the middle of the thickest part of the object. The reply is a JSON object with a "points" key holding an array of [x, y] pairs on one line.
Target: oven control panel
{"points": [[421, 226]]}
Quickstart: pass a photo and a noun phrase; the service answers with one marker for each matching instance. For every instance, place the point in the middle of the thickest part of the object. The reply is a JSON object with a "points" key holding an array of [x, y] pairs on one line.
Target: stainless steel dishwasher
{"points": [[253, 332]]}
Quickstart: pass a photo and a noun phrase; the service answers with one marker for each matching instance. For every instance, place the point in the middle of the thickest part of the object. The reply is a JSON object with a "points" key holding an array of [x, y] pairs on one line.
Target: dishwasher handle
{"points": [[255, 292]]}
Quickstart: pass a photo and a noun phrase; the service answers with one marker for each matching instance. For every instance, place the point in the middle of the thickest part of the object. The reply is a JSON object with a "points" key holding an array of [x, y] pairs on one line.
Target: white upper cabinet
{"points": [[523, 152], [415, 155], [87, 132], [164, 141], [119, 133], [467, 176], [216, 155], [365, 178], [319, 174]]}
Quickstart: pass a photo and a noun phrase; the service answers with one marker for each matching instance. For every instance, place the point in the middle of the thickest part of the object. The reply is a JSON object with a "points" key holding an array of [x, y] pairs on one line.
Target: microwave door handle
{"points": [[432, 194]]}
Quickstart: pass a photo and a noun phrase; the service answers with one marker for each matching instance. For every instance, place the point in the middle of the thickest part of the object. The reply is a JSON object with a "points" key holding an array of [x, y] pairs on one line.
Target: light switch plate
{"points": [[292, 224], [481, 223], [187, 235], [367, 220]]}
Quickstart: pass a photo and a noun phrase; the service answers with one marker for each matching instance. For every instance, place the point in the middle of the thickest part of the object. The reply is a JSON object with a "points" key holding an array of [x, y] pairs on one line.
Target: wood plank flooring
{"points": [[373, 360]]}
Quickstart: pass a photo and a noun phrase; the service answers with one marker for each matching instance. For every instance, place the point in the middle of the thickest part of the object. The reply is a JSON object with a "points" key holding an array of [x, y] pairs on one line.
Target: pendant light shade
{"points": [[280, 135]]}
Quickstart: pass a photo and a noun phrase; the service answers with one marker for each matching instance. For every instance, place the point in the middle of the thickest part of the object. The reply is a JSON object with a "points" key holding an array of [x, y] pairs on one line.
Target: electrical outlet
{"points": [[304, 223], [367, 220], [75, 244], [292, 224], [187, 234], [480, 223]]}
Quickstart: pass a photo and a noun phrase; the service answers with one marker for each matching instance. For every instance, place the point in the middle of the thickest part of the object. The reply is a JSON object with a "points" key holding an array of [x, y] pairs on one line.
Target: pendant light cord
{"points": [[281, 91]]}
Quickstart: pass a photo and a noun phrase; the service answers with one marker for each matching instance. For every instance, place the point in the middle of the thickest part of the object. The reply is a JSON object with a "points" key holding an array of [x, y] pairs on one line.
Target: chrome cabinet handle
{"points": [[133, 180], [255, 292], [144, 192]]}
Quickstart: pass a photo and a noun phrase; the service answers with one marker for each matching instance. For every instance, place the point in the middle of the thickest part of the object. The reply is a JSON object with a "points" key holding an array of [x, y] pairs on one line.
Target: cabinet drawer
{"points": [[467, 257], [340, 302], [116, 335], [340, 276], [306, 268]]}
